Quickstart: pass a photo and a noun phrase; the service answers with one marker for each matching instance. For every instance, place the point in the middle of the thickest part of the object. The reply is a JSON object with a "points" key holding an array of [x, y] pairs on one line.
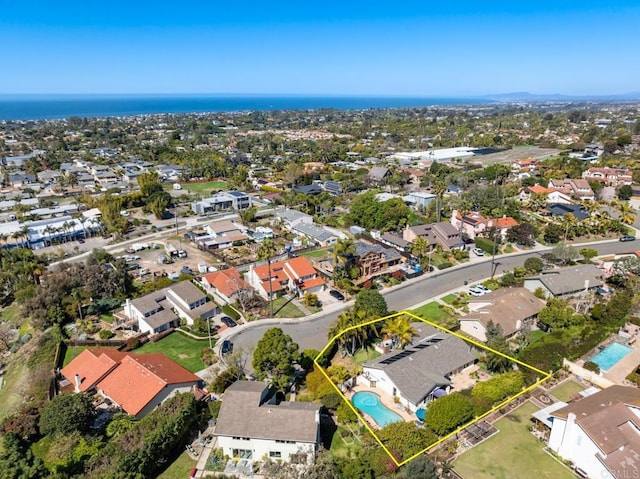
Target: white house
{"points": [[253, 425], [423, 370], [600, 434], [292, 218], [163, 309]]}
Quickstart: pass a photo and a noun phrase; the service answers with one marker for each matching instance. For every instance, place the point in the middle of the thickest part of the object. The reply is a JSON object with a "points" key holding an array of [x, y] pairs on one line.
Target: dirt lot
{"points": [[149, 257]]}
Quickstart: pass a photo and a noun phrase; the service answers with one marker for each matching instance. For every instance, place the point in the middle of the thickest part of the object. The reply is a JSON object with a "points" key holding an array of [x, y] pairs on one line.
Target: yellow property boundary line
{"points": [[545, 376]]}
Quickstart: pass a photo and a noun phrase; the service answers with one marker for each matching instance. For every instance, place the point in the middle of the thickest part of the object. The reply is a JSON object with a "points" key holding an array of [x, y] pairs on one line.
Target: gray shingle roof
{"points": [[242, 415], [419, 373], [569, 280]]}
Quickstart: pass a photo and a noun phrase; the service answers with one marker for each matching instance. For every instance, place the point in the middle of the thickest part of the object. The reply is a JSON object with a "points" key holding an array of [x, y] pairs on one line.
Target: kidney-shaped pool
{"points": [[369, 403]]}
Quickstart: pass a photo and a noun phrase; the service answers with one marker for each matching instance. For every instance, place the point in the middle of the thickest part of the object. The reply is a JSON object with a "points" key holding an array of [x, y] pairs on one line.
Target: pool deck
{"points": [[624, 367], [385, 399]]}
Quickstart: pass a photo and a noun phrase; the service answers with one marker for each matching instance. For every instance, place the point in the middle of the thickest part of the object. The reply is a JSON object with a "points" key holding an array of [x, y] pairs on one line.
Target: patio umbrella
{"points": [[420, 413]]}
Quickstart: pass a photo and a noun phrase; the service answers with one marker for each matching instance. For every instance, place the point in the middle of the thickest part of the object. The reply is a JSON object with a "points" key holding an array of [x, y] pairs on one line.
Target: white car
{"points": [[478, 252], [482, 288], [475, 292]]}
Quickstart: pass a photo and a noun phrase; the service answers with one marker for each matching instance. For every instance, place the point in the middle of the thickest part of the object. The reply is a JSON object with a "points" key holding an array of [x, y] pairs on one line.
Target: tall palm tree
{"points": [[400, 330], [439, 190], [343, 250], [420, 248], [268, 250], [627, 216]]}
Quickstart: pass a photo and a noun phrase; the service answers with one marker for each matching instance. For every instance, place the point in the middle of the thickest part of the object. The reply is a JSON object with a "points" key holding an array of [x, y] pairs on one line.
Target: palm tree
{"points": [[343, 251], [439, 190], [400, 330], [536, 202], [420, 248], [627, 216], [267, 250]]}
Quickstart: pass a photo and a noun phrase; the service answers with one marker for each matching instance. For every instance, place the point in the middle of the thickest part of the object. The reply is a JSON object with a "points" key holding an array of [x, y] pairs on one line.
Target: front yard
{"points": [[437, 313], [512, 453], [288, 311]]}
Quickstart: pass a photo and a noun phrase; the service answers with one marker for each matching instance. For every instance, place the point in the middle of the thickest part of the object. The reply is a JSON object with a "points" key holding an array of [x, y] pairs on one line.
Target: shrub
{"points": [[345, 414], [214, 408], [229, 311], [106, 334], [486, 245], [591, 366], [208, 356], [331, 400], [445, 265]]}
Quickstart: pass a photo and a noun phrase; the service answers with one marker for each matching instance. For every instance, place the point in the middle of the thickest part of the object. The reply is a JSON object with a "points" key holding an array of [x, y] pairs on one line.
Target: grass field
{"points": [[450, 298], [289, 311], [513, 453], [316, 253], [567, 390], [432, 312], [205, 187], [183, 350], [180, 468], [15, 379]]}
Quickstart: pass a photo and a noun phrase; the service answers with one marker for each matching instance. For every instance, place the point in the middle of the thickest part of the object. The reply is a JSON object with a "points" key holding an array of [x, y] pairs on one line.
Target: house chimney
{"points": [[77, 381]]}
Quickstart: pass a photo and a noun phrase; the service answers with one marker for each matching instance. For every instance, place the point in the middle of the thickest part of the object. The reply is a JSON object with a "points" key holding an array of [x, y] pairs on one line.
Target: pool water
{"points": [[369, 403], [610, 355]]}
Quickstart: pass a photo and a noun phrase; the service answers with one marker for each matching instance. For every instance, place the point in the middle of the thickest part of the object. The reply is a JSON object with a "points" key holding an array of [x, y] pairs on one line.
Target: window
{"points": [[278, 441], [238, 438], [275, 454]]}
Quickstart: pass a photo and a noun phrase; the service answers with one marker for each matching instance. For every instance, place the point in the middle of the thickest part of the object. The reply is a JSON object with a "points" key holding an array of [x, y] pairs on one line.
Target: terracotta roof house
{"points": [[137, 383], [600, 434], [442, 233], [423, 370], [163, 309], [609, 176], [566, 281], [510, 308], [226, 284], [252, 424], [296, 275]]}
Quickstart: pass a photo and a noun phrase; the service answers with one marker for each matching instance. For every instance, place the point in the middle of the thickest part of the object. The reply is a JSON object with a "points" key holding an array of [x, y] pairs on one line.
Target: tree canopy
{"points": [[66, 413], [274, 357], [372, 303], [448, 412]]}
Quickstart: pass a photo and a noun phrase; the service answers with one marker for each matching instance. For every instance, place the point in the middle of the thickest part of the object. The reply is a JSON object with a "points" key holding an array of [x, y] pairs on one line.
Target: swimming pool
{"points": [[370, 404], [610, 355]]}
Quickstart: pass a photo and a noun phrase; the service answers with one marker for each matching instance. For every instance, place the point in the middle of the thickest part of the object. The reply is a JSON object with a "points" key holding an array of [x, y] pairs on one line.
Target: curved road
{"points": [[313, 333]]}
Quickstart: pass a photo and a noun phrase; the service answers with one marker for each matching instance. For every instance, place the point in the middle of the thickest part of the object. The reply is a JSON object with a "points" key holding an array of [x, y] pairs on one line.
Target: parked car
{"points": [[337, 294], [132, 266], [478, 252], [227, 347], [144, 272], [228, 321], [475, 292], [80, 240], [482, 288], [182, 254], [627, 238]]}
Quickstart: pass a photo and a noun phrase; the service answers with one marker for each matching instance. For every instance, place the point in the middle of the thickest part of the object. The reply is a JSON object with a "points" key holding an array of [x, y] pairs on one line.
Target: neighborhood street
{"points": [[312, 333]]}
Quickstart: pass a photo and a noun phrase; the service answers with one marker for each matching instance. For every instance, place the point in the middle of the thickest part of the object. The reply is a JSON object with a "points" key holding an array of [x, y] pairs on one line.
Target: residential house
{"points": [[316, 234], [418, 199], [137, 383], [373, 259], [378, 174], [524, 165], [422, 371], [561, 209], [253, 425], [600, 434], [226, 285], [510, 308], [472, 224], [292, 218], [312, 189], [576, 188], [551, 195], [395, 242], [501, 225], [163, 309], [442, 233], [20, 180], [609, 176], [221, 235], [566, 281], [223, 201], [296, 275], [334, 188]]}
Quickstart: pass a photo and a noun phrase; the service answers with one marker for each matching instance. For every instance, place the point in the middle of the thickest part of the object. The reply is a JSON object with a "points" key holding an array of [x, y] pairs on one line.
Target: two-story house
{"points": [[296, 275]]}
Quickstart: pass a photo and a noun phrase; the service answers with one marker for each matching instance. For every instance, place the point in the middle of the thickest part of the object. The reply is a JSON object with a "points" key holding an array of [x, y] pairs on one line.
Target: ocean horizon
{"points": [[50, 107]]}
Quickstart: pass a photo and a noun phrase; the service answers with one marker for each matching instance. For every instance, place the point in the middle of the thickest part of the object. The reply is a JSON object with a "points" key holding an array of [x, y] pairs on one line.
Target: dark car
{"points": [[227, 347], [337, 294], [228, 321], [80, 240], [133, 266], [627, 238]]}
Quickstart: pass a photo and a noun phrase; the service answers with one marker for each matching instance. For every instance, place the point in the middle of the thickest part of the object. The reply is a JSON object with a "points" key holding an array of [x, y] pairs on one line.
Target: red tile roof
{"points": [[283, 271], [539, 190], [300, 267], [140, 378], [91, 365], [507, 222], [227, 281]]}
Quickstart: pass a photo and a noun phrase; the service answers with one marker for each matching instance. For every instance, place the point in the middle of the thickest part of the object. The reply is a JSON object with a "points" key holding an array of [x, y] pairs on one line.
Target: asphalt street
{"points": [[312, 333]]}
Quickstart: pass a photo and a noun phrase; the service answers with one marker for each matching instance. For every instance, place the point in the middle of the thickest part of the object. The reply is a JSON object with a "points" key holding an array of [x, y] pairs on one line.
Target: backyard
{"points": [[180, 468], [566, 391], [512, 453], [183, 350]]}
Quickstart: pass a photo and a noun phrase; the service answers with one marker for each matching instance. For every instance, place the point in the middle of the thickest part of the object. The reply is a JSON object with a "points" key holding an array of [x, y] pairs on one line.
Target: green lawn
{"points": [[450, 298], [180, 468], [107, 318], [344, 442], [289, 311], [432, 312], [72, 352], [567, 390], [205, 187], [316, 253], [513, 453], [183, 350], [536, 335], [364, 355], [15, 380]]}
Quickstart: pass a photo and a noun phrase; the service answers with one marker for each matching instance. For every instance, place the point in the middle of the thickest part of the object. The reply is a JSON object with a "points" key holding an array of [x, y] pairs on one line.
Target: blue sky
{"points": [[424, 48]]}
